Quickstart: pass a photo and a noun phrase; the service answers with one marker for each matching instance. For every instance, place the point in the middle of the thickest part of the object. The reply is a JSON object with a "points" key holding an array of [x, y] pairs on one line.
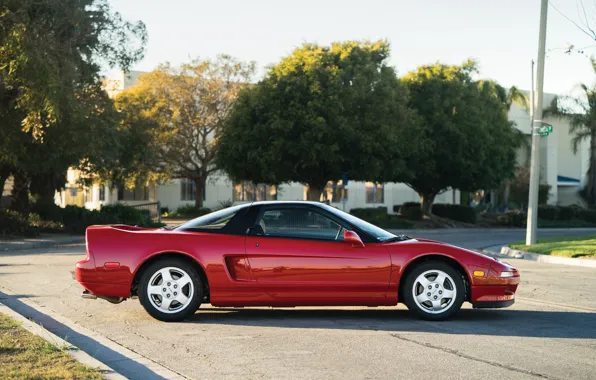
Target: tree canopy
{"points": [[468, 142], [321, 112], [53, 110], [174, 117]]}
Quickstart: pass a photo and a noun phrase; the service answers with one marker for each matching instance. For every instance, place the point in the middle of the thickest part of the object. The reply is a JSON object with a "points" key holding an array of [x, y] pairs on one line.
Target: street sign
{"points": [[544, 129]]}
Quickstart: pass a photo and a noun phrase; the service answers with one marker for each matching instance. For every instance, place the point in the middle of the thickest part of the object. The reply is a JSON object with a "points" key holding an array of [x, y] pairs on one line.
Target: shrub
{"points": [[411, 211], [567, 212], [13, 223], [189, 211], [369, 212], [461, 213], [588, 215], [548, 212], [396, 208], [47, 211]]}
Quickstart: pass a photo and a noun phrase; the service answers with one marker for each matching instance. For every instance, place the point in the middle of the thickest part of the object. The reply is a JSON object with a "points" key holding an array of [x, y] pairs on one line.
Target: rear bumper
{"points": [[493, 304]]}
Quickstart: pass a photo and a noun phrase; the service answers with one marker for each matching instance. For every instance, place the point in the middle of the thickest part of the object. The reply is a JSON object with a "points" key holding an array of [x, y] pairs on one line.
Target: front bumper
{"points": [[493, 304]]}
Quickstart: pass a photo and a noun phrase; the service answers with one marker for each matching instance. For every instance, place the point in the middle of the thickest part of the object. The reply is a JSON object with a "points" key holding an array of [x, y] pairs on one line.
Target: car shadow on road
{"points": [[514, 323]]}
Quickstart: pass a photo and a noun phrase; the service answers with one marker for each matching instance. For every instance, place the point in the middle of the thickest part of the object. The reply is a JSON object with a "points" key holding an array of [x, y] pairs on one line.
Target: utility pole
{"points": [[537, 118]]}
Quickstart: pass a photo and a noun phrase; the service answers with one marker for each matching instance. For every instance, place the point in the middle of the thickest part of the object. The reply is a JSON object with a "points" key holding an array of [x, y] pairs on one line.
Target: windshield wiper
{"points": [[397, 238]]}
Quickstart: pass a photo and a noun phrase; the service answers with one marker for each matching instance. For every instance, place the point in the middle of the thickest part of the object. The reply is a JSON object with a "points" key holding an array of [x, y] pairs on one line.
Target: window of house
{"points": [[299, 223], [139, 193], [374, 192], [187, 190], [248, 191], [334, 192], [102, 193]]}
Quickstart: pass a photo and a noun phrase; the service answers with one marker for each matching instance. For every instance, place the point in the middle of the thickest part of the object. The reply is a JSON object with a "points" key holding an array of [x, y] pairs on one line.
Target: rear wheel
{"points": [[434, 290], [170, 289]]}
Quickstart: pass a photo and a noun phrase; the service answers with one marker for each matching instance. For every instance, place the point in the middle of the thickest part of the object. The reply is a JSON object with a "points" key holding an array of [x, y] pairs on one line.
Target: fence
{"points": [[151, 209]]}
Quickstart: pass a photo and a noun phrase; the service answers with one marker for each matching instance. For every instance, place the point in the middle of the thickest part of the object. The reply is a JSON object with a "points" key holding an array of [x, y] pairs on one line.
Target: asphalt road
{"points": [[484, 238], [549, 333]]}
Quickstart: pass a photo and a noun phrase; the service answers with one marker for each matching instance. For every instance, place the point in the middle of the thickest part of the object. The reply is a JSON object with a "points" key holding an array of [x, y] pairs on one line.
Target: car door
{"points": [[298, 252]]}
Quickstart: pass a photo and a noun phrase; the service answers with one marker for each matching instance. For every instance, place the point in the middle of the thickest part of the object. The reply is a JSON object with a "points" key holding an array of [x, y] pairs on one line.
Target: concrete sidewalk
{"points": [[44, 240]]}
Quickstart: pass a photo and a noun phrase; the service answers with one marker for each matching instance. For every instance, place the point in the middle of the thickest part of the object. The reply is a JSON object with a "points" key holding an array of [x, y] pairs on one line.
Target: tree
{"points": [[53, 112], [322, 112], [470, 144], [581, 114], [181, 112]]}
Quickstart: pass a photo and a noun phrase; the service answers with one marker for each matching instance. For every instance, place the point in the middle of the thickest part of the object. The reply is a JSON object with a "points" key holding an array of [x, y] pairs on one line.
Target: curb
{"points": [[124, 361], [7, 246], [517, 254], [75, 352]]}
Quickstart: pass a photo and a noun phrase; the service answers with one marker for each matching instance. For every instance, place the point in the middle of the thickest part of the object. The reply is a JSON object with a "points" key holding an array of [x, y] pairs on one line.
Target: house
{"points": [[560, 167]]}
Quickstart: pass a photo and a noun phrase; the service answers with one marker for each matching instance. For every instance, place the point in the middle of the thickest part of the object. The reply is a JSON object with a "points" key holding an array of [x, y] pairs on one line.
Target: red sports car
{"points": [[286, 254]]}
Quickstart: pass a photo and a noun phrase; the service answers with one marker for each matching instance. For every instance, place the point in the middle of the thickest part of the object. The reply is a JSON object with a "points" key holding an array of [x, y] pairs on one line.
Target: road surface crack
{"points": [[462, 355]]}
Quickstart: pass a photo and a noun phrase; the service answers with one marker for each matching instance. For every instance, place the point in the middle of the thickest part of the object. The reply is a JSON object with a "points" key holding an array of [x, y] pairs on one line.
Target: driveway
{"points": [[549, 333]]}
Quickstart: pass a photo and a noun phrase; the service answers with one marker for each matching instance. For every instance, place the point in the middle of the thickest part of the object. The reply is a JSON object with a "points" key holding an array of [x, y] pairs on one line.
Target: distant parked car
{"points": [[286, 254]]}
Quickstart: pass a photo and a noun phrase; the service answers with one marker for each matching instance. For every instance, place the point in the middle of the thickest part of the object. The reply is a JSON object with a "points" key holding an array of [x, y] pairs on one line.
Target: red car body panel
{"points": [[246, 270]]}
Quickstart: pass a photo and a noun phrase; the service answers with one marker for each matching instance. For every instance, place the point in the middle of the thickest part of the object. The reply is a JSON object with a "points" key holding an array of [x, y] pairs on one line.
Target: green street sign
{"points": [[544, 129]]}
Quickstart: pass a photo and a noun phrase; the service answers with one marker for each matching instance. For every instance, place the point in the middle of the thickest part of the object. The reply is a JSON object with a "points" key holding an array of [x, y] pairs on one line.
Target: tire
{"points": [[182, 292], [434, 303]]}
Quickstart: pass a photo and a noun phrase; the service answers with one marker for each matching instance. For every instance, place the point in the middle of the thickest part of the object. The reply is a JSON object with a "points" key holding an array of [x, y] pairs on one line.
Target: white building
{"points": [[560, 168]]}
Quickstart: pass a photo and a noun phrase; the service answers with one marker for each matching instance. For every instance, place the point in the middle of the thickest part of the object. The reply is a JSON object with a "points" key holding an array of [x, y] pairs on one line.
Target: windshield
{"points": [[213, 221], [372, 230]]}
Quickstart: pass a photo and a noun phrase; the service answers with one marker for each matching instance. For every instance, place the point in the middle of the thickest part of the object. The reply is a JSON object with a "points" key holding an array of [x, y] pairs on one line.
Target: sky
{"points": [[502, 35]]}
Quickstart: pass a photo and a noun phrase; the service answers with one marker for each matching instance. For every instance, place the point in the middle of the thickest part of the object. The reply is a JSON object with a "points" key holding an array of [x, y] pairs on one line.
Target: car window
{"points": [[299, 223], [213, 221]]}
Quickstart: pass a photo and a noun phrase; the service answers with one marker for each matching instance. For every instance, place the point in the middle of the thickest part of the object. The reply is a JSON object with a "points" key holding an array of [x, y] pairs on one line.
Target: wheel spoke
{"points": [[182, 298], [440, 278], [422, 297], [165, 304], [436, 305], [155, 289], [183, 281], [448, 293], [423, 281], [165, 275]]}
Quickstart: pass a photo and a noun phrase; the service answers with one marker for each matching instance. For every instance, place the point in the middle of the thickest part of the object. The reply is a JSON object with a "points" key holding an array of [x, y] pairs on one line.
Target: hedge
{"points": [[460, 213], [411, 211], [189, 211]]}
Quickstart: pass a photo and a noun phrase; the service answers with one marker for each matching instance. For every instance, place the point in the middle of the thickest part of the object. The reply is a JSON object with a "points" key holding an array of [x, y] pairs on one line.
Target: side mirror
{"points": [[353, 239]]}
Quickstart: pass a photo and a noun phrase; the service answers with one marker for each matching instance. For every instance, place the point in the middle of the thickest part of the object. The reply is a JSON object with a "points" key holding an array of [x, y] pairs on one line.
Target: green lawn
{"points": [[566, 246], [27, 356]]}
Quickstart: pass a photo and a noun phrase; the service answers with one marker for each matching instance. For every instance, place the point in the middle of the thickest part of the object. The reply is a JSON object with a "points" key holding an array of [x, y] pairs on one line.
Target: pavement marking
{"points": [[465, 356]]}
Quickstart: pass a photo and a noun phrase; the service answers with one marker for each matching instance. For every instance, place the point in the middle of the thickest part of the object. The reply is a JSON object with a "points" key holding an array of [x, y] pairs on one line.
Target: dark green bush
{"points": [[369, 212], [48, 211], [567, 212], [411, 211], [13, 223], [460, 213], [189, 211], [588, 215], [548, 212], [396, 208]]}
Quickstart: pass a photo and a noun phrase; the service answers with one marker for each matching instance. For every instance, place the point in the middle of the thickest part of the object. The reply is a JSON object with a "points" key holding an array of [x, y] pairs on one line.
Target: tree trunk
{"points": [[506, 193], [4, 174], [199, 183], [43, 187], [592, 176], [314, 193], [426, 201], [20, 192]]}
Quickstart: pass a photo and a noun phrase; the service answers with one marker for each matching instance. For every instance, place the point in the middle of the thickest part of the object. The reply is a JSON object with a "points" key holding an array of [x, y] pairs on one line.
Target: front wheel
{"points": [[434, 290], [170, 290]]}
